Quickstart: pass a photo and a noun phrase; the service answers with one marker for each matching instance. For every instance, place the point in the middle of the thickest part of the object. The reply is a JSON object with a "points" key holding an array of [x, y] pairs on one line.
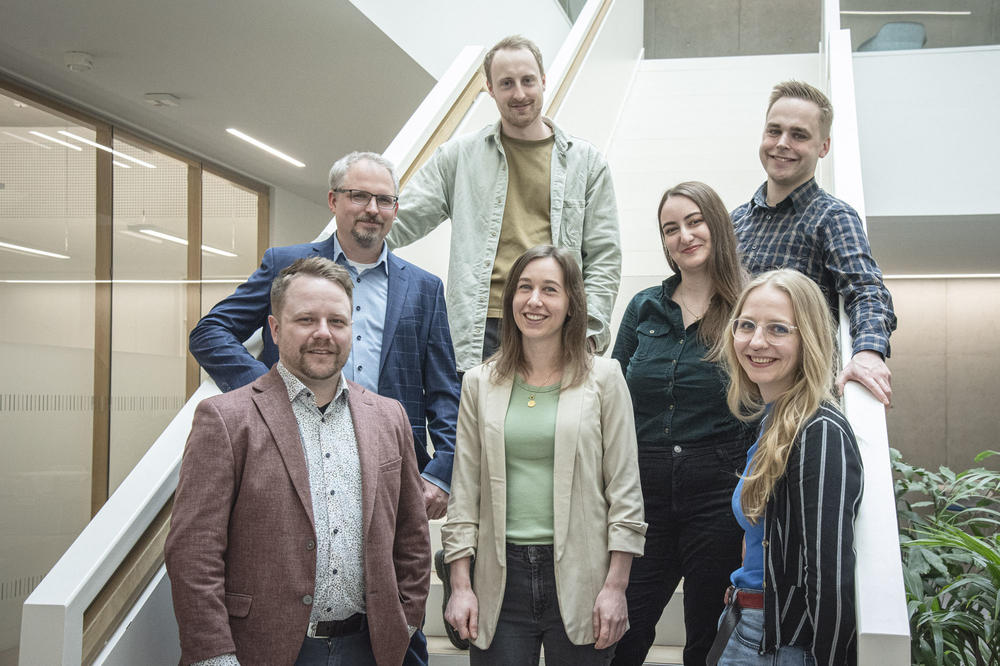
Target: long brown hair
{"points": [[576, 358], [793, 408], [723, 267]]}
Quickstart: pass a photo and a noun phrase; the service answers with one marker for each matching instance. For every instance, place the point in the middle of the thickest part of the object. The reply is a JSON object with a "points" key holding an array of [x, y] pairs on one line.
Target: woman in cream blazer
{"points": [[567, 583]]}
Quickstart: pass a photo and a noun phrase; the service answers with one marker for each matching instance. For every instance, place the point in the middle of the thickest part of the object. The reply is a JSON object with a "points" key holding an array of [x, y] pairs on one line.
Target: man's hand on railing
{"points": [[868, 369]]}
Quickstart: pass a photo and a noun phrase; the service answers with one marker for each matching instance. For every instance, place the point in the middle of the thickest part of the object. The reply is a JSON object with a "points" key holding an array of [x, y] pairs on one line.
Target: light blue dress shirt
{"points": [[371, 292]]}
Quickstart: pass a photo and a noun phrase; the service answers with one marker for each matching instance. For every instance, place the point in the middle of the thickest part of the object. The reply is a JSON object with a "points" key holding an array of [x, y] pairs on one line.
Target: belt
{"points": [[336, 628], [744, 598]]}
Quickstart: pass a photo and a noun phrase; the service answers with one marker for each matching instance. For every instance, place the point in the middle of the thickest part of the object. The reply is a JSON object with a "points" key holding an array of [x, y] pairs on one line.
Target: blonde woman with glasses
{"points": [[792, 601]]}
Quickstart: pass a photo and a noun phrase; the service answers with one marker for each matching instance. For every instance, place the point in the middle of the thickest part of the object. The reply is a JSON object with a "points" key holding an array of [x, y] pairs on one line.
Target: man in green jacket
{"points": [[509, 187]]}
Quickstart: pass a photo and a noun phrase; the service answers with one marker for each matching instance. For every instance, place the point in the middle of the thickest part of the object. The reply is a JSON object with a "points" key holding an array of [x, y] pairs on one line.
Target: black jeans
{"points": [[530, 620], [687, 491]]}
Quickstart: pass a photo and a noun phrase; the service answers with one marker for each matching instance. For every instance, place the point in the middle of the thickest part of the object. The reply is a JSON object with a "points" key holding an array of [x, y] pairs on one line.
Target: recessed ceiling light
{"points": [[54, 140], [904, 12], [107, 150], [263, 146], [27, 140], [78, 61], [163, 235], [24, 249]]}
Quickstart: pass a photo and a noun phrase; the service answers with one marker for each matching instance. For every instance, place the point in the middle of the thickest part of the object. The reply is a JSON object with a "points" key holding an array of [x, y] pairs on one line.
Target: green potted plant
{"points": [[948, 526]]}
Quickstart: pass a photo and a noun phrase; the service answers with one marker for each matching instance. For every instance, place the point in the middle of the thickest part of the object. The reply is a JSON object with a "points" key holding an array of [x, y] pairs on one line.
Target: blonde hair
{"points": [[812, 384], [804, 91]]}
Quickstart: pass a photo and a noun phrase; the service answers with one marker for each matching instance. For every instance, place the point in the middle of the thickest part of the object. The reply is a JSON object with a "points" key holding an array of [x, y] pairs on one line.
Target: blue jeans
{"points": [[530, 620], [350, 650], [743, 645], [692, 535]]}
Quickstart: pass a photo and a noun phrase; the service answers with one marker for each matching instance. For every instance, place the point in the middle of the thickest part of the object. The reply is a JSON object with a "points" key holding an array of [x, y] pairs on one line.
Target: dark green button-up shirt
{"points": [[677, 396]]}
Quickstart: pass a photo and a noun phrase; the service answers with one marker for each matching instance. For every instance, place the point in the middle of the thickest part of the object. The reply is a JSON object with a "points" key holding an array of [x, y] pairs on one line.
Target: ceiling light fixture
{"points": [[163, 235], [904, 12], [23, 249], [108, 150], [78, 61], [26, 140], [55, 140], [263, 146], [120, 164]]}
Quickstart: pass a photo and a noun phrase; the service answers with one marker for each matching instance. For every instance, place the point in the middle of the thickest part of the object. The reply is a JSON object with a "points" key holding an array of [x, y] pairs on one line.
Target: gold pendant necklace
{"points": [[531, 400]]}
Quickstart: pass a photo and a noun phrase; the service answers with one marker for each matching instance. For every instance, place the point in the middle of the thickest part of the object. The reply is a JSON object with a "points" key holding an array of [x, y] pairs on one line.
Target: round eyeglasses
{"points": [[775, 332], [361, 198]]}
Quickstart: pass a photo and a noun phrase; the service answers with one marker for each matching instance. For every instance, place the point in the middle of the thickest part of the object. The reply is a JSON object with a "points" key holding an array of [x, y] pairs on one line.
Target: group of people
{"points": [[579, 490]]}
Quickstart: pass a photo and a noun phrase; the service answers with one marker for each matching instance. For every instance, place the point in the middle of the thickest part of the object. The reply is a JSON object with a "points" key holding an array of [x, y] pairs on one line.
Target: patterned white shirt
{"points": [[331, 452]]}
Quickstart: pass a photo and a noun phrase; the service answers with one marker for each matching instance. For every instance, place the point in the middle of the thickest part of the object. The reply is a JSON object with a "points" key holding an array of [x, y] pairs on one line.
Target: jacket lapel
{"points": [[567, 436], [497, 400], [367, 438], [271, 398], [399, 284]]}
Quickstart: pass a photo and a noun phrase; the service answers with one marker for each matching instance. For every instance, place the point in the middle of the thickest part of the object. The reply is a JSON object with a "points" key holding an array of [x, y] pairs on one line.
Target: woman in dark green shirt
{"points": [[691, 448]]}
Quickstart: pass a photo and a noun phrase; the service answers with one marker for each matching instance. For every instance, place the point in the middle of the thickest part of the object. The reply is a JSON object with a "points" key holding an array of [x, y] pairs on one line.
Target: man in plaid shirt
{"points": [[792, 223]]}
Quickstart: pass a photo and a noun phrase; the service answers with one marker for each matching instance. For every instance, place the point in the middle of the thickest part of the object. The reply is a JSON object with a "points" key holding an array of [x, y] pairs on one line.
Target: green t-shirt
{"points": [[529, 453]]}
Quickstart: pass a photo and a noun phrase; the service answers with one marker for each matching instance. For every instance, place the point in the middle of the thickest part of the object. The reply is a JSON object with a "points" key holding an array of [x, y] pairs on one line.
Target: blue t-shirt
{"points": [[751, 575]]}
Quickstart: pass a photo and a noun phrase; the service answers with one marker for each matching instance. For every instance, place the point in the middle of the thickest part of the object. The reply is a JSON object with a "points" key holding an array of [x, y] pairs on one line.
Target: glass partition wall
{"points": [[102, 259]]}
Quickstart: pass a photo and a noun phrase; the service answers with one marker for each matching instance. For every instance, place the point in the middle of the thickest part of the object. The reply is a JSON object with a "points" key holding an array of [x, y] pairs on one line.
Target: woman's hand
{"points": [[611, 609], [610, 616], [462, 612]]}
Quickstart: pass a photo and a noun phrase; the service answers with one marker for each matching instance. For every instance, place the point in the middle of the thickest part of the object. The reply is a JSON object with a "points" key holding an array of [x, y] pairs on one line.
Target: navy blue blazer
{"points": [[417, 363]]}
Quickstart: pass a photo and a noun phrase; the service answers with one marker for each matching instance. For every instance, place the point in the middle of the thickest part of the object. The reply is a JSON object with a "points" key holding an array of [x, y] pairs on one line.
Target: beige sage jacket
{"points": [[597, 497]]}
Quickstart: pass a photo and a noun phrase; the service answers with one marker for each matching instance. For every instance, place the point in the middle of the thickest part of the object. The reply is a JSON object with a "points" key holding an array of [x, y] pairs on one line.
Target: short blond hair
{"points": [[512, 43], [802, 90]]}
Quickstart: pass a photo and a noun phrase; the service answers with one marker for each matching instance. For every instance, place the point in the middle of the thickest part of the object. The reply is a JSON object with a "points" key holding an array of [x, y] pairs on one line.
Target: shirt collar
{"points": [[341, 258], [670, 285], [296, 389], [797, 200]]}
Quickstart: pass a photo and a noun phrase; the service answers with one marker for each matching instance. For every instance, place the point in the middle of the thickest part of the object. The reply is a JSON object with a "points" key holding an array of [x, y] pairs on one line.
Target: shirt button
{"points": [[674, 362], [671, 408], [681, 341], [333, 492], [358, 338], [493, 234], [335, 530], [652, 330], [764, 543], [666, 431], [357, 308], [310, 544], [334, 571], [307, 600], [677, 449], [327, 455], [486, 262]]}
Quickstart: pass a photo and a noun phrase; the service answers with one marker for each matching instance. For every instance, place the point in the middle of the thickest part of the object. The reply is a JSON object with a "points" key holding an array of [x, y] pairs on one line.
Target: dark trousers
{"points": [[350, 650], [416, 653], [687, 491], [529, 618], [491, 338]]}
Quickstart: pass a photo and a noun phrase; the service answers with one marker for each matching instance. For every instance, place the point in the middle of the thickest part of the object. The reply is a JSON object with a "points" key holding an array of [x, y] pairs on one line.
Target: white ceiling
{"points": [[313, 78]]}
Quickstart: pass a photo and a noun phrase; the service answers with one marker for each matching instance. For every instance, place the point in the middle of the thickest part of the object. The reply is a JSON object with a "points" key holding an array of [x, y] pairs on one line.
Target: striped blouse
{"points": [[809, 543]]}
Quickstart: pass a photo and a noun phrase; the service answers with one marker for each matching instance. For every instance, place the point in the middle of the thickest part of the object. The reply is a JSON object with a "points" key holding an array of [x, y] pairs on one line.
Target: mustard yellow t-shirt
{"points": [[526, 210]]}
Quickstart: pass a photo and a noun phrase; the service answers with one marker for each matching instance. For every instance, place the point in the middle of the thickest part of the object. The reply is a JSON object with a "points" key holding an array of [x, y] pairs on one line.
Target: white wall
{"points": [[297, 220], [434, 31], [928, 127]]}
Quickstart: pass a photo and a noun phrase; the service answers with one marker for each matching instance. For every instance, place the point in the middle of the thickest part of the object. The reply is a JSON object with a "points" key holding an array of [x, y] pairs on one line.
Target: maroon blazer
{"points": [[241, 550]]}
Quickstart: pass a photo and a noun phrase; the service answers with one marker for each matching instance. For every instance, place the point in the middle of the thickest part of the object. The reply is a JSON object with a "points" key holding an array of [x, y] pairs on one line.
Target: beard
{"points": [[321, 367], [364, 238]]}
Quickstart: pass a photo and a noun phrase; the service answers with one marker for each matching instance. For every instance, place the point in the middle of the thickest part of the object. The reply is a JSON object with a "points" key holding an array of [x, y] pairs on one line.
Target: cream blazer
{"points": [[597, 497]]}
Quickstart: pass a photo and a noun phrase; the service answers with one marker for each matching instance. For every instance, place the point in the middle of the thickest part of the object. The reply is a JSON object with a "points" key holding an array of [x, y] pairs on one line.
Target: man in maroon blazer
{"points": [[299, 530]]}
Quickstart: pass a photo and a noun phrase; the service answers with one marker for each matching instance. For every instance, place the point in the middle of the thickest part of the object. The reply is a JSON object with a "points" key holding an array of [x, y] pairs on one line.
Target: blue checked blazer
{"points": [[417, 363]]}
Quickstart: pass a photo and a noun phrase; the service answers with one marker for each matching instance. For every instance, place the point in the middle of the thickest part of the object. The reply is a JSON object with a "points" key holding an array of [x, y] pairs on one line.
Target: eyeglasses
{"points": [[361, 198], [775, 332]]}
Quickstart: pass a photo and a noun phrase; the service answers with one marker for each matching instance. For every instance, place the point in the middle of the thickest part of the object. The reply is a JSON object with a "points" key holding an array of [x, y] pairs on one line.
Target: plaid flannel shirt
{"points": [[822, 237]]}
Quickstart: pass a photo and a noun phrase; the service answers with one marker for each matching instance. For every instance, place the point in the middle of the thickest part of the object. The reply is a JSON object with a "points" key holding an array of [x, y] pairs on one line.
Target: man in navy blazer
{"points": [[402, 345]]}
